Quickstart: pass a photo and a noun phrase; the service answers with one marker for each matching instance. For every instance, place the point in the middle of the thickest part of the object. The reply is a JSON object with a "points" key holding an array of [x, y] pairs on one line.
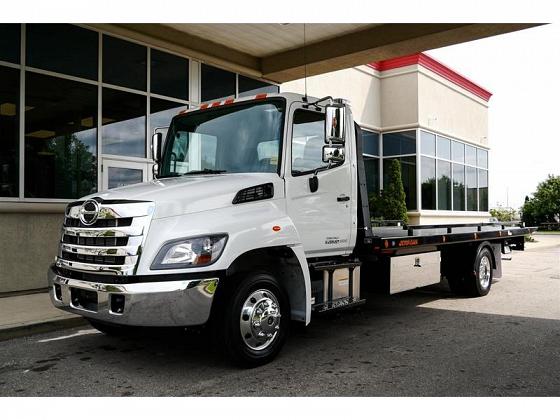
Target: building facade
{"points": [[78, 105], [430, 118]]}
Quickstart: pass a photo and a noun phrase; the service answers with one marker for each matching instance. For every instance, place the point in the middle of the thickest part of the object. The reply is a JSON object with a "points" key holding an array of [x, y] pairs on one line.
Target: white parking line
{"points": [[81, 332]]}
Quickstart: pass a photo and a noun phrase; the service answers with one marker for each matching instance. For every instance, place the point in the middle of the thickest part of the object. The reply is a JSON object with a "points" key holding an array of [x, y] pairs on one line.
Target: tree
{"points": [[504, 214], [544, 206], [390, 203]]}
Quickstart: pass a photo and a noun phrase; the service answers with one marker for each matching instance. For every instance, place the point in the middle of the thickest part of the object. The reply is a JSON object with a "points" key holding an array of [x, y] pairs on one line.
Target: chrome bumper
{"points": [[157, 304]]}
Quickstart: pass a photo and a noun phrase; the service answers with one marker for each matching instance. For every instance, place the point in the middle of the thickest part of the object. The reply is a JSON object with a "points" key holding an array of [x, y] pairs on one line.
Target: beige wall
{"points": [[30, 245], [357, 85], [450, 110], [399, 100]]}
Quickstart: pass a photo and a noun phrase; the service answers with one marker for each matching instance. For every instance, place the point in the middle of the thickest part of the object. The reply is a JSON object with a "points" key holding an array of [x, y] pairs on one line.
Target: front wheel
{"points": [[256, 320]]}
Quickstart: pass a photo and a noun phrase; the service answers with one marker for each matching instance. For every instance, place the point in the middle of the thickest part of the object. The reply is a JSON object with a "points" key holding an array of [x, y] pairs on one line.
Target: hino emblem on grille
{"points": [[89, 212]]}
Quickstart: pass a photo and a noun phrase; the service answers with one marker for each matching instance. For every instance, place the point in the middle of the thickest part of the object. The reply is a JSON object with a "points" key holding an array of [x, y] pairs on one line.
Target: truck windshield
{"points": [[237, 138]]}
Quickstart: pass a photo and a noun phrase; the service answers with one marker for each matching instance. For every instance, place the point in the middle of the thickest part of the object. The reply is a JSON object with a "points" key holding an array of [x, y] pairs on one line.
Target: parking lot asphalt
{"points": [[420, 343]]}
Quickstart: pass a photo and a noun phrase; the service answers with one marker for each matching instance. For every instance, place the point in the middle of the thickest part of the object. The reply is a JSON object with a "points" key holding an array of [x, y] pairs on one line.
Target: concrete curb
{"points": [[40, 327]]}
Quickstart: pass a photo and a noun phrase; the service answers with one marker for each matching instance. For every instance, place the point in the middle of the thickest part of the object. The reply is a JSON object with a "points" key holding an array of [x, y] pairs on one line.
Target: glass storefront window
{"points": [[402, 143], [120, 177], [428, 180], [370, 143], [472, 195], [161, 113], [10, 42], [428, 143], [408, 174], [443, 148], [124, 123], [250, 87], [216, 83], [62, 48], [169, 75], [482, 190], [444, 185], [9, 132], [371, 166], [470, 155], [458, 187], [458, 151], [60, 137], [482, 158], [124, 63]]}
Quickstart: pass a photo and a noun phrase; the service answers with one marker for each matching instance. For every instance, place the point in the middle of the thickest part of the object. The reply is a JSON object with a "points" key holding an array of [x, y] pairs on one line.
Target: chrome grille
{"points": [[112, 243]]}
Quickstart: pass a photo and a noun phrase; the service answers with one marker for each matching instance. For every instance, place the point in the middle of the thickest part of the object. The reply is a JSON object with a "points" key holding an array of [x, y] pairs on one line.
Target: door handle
{"points": [[342, 198]]}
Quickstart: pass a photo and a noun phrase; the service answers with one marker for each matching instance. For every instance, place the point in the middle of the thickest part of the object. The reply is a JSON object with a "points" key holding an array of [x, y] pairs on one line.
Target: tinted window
{"points": [[161, 113], [482, 158], [458, 150], [372, 174], [124, 63], [308, 139], [370, 143], [470, 155], [458, 187], [444, 185], [249, 87], [60, 137], [472, 196], [9, 132], [443, 148], [216, 83], [169, 75], [124, 123], [62, 48], [119, 177], [428, 143], [9, 42], [402, 143], [428, 179], [408, 174], [483, 190]]}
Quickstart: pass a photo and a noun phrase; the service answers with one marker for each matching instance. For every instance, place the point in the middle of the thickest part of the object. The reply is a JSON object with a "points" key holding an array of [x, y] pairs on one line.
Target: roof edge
{"points": [[435, 66]]}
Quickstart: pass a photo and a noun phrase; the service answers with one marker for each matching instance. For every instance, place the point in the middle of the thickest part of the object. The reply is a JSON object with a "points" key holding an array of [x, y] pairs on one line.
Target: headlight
{"points": [[190, 252]]}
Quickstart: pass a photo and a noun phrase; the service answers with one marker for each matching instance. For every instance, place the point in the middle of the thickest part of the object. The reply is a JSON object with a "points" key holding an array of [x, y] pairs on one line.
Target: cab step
{"points": [[338, 304]]}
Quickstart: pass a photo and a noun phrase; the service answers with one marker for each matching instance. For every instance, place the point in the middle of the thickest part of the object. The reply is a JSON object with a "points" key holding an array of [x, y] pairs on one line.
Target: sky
{"points": [[521, 69]]}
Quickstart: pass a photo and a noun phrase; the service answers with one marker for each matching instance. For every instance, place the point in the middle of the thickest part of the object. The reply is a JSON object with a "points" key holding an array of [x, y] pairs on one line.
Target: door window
{"points": [[308, 139]]}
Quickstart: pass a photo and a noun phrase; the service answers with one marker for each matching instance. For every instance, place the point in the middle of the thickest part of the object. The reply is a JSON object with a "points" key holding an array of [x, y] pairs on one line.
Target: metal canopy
{"points": [[276, 51]]}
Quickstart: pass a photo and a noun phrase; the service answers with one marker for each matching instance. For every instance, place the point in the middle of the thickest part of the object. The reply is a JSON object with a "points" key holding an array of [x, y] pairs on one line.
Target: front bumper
{"points": [[152, 304]]}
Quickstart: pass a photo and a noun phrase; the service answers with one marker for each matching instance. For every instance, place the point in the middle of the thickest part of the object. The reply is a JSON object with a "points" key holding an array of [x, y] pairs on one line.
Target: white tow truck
{"points": [[257, 217]]}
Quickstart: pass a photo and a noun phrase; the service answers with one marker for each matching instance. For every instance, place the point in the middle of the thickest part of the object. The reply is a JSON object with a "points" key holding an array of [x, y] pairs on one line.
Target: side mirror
{"points": [[334, 123], [333, 154], [157, 139]]}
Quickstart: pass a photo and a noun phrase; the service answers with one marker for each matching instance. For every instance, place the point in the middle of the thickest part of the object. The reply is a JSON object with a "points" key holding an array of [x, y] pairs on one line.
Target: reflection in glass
{"points": [[62, 48], [216, 83], [9, 42], [428, 180], [402, 143], [458, 151], [470, 155], [60, 137], [472, 195], [482, 158], [169, 75], [124, 123], [458, 187], [372, 174], [9, 132], [483, 190], [250, 87], [308, 138], [124, 63], [428, 143], [162, 112], [443, 147], [119, 177], [370, 143], [408, 174], [444, 185]]}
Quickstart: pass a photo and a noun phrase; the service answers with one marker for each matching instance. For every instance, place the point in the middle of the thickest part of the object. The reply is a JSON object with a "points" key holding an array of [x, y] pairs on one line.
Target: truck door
{"points": [[323, 218]]}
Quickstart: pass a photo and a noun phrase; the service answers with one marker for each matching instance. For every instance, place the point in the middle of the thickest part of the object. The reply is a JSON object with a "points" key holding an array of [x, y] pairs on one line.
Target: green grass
{"points": [[547, 232]]}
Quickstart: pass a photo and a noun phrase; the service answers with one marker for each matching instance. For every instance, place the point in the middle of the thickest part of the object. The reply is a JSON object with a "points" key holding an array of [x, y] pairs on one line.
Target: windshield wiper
{"points": [[205, 171]]}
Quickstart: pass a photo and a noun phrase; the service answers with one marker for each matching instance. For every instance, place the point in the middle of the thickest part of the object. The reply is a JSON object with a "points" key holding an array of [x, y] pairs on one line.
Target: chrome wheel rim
{"points": [[484, 272], [260, 319]]}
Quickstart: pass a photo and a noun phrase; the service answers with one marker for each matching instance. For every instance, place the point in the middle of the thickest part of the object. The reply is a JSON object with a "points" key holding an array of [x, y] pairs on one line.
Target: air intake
{"points": [[256, 193]]}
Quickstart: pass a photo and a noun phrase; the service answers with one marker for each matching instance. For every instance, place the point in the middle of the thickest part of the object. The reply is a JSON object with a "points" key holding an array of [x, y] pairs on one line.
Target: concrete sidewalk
{"points": [[32, 314]]}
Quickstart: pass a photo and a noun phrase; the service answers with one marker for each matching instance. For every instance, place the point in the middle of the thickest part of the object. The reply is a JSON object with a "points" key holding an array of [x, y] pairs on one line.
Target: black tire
{"points": [[478, 280], [234, 318], [111, 329]]}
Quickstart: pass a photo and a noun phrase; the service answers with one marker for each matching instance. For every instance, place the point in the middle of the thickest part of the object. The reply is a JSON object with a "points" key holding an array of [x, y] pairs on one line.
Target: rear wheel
{"points": [[478, 281], [256, 319]]}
